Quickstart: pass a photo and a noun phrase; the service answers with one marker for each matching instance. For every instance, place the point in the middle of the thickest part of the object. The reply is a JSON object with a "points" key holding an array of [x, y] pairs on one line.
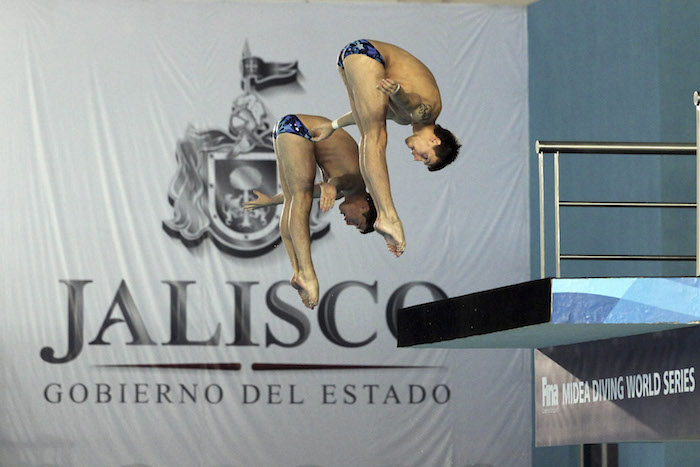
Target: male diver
{"points": [[297, 158], [384, 82]]}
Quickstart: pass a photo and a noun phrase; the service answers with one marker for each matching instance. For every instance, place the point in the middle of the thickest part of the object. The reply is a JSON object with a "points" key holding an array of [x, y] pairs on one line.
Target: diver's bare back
{"points": [[336, 155], [412, 75]]}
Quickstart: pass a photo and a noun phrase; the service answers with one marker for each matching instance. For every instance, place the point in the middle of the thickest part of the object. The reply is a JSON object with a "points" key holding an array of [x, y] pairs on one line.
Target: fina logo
{"points": [[550, 396], [218, 171]]}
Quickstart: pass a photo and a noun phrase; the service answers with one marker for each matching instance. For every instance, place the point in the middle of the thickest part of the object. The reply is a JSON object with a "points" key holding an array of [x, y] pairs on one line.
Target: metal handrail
{"points": [[573, 147], [627, 204], [631, 148], [631, 257]]}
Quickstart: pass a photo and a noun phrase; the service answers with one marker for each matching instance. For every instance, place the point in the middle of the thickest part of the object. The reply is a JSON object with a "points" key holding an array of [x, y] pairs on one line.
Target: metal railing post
{"points": [[557, 225], [540, 163], [696, 101]]}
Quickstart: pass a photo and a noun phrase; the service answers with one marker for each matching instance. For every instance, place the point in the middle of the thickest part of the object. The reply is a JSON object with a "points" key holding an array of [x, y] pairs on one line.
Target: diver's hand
{"points": [[328, 195], [261, 201], [321, 132], [388, 87]]}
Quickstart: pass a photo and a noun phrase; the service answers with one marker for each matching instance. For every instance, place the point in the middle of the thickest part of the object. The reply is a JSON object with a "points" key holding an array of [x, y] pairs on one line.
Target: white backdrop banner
{"points": [[148, 320]]}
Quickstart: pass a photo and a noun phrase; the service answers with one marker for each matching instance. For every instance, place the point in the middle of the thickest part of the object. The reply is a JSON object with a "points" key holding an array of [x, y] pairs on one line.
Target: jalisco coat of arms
{"points": [[218, 171]]}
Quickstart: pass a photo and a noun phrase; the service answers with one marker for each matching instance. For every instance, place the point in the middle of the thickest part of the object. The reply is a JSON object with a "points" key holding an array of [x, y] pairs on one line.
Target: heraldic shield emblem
{"points": [[218, 171], [232, 182]]}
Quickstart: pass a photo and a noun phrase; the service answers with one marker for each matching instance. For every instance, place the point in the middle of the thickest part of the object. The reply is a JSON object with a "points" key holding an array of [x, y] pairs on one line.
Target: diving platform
{"points": [[551, 312]]}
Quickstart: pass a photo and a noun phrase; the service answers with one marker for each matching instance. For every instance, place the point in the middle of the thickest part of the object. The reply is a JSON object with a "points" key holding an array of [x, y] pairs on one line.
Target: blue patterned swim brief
{"points": [[291, 124], [362, 47]]}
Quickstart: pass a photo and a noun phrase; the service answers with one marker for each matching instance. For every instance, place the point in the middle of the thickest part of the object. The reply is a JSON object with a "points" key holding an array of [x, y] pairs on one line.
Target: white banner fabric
{"points": [[147, 320]]}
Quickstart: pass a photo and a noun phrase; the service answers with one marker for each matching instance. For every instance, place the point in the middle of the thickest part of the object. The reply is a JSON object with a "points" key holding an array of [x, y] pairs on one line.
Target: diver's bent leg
{"points": [[301, 240], [369, 107]]}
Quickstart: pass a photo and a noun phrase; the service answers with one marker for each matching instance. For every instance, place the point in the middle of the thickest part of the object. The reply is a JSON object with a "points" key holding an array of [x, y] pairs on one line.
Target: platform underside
{"points": [[551, 312]]}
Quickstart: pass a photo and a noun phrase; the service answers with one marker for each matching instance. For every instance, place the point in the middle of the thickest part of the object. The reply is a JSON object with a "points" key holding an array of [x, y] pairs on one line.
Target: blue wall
{"points": [[679, 76], [615, 70]]}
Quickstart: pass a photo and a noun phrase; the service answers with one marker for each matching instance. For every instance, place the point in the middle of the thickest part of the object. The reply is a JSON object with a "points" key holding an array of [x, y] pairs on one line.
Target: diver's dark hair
{"points": [[370, 215], [447, 150]]}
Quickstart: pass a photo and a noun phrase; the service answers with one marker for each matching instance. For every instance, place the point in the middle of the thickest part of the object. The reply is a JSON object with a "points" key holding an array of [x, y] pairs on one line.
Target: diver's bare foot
{"points": [[302, 291], [308, 290], [392, 231]]}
